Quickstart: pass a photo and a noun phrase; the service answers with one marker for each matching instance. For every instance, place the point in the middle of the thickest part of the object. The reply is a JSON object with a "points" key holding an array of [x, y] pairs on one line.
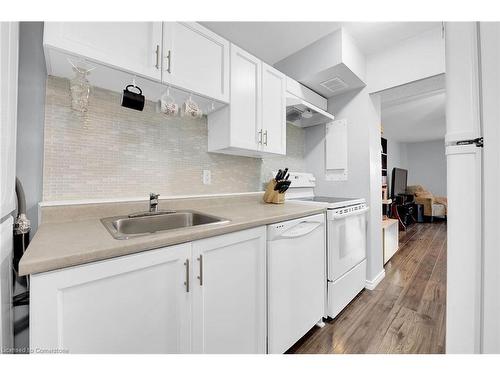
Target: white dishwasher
{"points": [[296, 258]]}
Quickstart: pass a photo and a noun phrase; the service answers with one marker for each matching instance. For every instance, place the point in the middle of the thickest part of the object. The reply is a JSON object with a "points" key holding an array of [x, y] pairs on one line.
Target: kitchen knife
{"points": [[278, 175], [284, 186]]}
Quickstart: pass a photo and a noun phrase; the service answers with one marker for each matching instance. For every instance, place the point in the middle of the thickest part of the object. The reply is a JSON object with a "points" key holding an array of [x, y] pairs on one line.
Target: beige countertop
{"points": [[74, 235]]}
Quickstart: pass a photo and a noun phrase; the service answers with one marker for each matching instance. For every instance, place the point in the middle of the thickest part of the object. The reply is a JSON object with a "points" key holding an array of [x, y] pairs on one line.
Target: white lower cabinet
{"points": [[208, 296], [229, 293], [132, 304]]}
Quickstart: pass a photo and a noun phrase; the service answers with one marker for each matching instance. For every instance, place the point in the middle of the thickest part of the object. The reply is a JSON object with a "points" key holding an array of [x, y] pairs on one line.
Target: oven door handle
{"points": [[334, 216]]}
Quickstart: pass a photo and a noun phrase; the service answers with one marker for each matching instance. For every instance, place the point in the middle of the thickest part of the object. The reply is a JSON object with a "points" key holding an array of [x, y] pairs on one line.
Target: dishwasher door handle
{"points": [[301, 229]]}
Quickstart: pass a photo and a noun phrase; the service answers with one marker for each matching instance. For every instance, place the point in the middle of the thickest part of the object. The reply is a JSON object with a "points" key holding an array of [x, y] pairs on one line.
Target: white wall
{"points": [[415, 58], [426, 164], [117, 152], [397, 157], [30, 118], [364, 163]]}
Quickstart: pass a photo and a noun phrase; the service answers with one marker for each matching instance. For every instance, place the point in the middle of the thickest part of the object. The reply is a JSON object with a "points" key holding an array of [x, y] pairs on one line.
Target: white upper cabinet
{"points": [[273, 110], [229, 293], [133, 304], [245, 99], [196, 59], [254, 123], [131, 46]]}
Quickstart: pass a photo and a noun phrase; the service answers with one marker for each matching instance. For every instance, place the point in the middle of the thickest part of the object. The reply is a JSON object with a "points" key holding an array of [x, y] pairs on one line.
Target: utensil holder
{"points": [[273, 196]]}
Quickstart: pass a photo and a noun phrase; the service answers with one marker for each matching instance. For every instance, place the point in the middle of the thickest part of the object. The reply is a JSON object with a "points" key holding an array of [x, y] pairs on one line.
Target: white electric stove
{"points": [[346, 240]]}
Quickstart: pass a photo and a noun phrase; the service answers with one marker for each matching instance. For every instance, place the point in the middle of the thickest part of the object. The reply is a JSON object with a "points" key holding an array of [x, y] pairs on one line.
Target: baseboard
{"points": [[372, 284]]}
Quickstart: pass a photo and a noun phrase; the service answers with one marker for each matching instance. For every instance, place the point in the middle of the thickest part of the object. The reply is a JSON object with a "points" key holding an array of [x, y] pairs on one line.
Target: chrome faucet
{"points": [[154, 208], [153, 202]]}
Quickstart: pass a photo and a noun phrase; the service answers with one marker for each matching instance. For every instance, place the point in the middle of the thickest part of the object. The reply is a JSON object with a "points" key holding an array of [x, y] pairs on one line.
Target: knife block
{"points": [[271, 195]]}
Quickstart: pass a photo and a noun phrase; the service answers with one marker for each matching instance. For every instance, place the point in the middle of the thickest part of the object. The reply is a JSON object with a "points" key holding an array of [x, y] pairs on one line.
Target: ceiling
{"points": [[415, 112], [273, 41]]}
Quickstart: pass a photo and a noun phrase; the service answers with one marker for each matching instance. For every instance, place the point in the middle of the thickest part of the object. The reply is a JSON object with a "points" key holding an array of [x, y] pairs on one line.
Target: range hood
{"points": [[303, 114], [330, 66]]}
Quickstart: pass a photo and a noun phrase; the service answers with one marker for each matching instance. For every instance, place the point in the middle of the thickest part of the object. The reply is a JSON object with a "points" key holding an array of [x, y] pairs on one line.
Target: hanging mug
{"points": [[191, 109], [133, 100], [168, 106]]}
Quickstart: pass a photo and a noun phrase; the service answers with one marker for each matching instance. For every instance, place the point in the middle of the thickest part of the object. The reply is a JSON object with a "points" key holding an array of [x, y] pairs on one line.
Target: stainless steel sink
{"points": [[125, 227]]}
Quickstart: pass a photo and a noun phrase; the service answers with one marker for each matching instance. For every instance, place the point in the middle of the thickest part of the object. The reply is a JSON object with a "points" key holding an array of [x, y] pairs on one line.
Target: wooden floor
{"points": [[404, 314]]}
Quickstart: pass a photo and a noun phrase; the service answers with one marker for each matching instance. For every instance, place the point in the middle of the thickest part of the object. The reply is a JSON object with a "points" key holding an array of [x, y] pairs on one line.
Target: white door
{"points": [[463, 291], [273, 110], [196, 59], [133, 46], [346, 242], [463, 300], [6, 335], [9, 46], [132, 304], [229, 293], [296, 280], [246, 91]]}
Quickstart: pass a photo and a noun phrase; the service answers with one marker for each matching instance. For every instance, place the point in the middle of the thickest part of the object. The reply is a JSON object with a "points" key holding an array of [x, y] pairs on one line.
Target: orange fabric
{"points": [[426, 198], [427, 203], [424, 194]]}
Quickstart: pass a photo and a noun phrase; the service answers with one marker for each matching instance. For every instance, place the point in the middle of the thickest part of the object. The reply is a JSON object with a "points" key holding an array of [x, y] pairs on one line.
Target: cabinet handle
{"points": [[260, 136], [265, 135], [186, 283], [157, 56], [169, 60], [200, 259]]}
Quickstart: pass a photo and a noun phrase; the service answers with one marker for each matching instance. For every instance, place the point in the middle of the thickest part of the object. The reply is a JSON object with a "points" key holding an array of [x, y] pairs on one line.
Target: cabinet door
{"points": [[133, 46], [132, 304], [273, 110], [246, 91], [229, 293], [196, 59], [9, 41]]}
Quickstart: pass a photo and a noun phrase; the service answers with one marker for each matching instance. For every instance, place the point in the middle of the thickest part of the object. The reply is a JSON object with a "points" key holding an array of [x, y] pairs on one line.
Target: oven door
{"points": [[346, 242]]}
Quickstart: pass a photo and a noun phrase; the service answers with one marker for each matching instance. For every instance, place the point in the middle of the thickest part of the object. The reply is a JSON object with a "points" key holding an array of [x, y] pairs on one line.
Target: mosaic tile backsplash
{"points": [[115, 152]]}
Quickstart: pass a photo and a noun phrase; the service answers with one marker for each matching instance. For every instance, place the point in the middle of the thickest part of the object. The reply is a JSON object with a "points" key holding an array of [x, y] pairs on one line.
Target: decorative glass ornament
{"points": [[80, 89]]}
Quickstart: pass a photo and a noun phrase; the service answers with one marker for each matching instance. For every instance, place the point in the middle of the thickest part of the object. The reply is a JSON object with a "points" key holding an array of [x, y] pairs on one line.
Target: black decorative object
{"points": [[133, 100]]}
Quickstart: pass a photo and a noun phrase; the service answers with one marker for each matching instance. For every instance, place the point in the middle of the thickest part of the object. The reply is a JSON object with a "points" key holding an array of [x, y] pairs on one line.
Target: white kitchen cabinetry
{"points": [[196, 59], [208, 296], [229, 293], [273, 110], [133, 304], [131, 46], [236, 129], [191, 59], [249, 127]]}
